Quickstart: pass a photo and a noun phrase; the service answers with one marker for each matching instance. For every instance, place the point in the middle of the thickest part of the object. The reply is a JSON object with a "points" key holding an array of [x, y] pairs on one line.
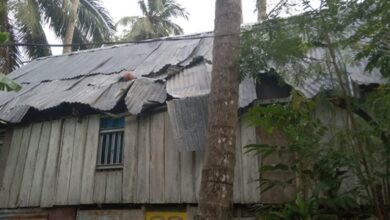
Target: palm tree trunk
{"points": [[68, 39], [216, 192], [5, 62], [261, 10]]}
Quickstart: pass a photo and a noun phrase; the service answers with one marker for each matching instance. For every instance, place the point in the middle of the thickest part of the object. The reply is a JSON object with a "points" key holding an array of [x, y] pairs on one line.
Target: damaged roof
{"points": [[94, 77], [166, 68]]}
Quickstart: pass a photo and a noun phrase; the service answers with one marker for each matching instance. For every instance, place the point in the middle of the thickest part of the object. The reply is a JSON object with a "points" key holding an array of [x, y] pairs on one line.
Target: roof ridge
{"points": [[125, 44]]}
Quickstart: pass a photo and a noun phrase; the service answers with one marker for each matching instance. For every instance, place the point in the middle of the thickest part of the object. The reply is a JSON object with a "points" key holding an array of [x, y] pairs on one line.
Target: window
{"points": [[110, 154]]}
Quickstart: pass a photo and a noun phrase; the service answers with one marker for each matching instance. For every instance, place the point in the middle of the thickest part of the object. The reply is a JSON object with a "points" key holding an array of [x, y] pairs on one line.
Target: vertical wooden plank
{"points": [[130, 158], [99, 188], [172, 165], [18, 175], [50, 174], [77, 162], [65, 162], [36, 188], [12, 160], [4, 152], [156, 187], [113, 186], [118, 186], [238, 179], [198, 171], [90, 159], [250, 165], [187, 171], [29, 167], [143, 161], [110, 184]]}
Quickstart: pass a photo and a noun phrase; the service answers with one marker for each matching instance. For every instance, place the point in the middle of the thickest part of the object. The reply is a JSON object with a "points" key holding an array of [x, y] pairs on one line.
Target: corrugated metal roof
{"points": [[142, 59], [99, 91], [92, 77], [310, 84], [145, 93], [196, 80]]}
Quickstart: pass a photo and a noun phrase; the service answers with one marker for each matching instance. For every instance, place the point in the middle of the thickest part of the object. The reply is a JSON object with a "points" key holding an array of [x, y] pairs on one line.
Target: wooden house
{"points": [[85, 140]]}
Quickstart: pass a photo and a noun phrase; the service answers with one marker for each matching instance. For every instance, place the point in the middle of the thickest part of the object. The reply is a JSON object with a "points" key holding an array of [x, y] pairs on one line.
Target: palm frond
{"points": [[94, 21], [143, 7], [156, 21], [93, 17], [56, 15], [29, 28], [126, 21], [173, 9], [10, 57]]}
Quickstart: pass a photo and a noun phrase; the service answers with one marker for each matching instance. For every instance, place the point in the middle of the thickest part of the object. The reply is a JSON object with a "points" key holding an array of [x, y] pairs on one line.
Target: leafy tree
{"points": [[155, 22], [342, 32]]}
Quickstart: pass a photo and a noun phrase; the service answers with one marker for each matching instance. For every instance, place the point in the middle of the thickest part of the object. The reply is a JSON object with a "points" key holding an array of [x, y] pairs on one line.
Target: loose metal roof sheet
{"points": [[195, 81]]}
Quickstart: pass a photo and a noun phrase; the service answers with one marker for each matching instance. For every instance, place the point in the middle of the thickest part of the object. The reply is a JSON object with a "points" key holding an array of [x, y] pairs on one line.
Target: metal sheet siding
{"points": [[188, 118], [195, 81]]}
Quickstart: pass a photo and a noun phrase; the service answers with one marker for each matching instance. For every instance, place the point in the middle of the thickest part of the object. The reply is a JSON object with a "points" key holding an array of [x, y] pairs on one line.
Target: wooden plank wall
{"points": [[53, 163]]}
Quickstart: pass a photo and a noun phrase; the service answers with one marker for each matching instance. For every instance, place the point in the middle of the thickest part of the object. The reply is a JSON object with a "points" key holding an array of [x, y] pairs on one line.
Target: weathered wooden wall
{"points": [[53, 163]]}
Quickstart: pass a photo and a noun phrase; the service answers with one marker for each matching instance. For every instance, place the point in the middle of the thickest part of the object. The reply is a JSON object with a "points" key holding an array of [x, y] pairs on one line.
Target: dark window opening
{"points": [[271, 87]]}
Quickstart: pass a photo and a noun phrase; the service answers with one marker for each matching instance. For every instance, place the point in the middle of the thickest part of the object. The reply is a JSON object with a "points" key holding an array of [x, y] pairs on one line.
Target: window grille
{"points": [[110, 153]]}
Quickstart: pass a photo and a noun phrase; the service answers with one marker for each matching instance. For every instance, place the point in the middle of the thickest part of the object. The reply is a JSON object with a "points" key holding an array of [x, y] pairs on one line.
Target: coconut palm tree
{"points": [[24, 19], [155, 22], [261, 10], [9, 56]]}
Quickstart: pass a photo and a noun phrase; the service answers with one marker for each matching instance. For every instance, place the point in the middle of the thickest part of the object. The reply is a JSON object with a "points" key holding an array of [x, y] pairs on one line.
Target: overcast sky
{"points": [[201, 12], [201, 16]]}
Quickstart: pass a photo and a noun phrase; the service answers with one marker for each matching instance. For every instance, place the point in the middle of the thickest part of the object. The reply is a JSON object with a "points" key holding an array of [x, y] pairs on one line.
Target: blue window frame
{"points": [[111, 138]]}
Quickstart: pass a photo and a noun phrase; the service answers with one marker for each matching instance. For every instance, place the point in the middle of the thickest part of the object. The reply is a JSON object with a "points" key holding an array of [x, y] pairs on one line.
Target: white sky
{"points": [[201, 16], [201, 12]]}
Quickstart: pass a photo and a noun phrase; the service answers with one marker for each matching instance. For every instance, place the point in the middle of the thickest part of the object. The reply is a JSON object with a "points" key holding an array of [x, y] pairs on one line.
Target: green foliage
{"points": [[3, 37], [342, 158], [7, 84], [27, 18], [322, 164], [155, 22], [374, 18]]}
